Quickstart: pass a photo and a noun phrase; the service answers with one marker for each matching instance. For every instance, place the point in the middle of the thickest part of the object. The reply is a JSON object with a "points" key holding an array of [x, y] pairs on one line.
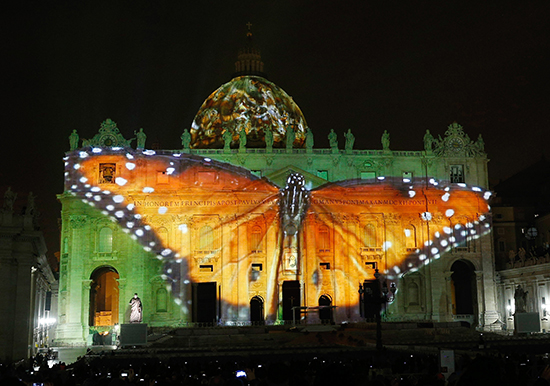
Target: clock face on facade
{"points": [[531, 233], [455, 144], [108, 140]]}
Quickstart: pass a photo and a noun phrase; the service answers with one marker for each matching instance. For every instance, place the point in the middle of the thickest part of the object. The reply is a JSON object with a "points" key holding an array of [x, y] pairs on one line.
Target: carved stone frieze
{"points": [[427, 161], [392, 218], [78, 221], [108, 136]]}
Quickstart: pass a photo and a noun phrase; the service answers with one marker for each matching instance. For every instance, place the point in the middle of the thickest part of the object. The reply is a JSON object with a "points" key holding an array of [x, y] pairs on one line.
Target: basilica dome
{"points": [[252, 103]]}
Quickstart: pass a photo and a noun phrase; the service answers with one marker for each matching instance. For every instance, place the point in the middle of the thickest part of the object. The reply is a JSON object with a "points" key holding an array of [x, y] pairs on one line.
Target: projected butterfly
{"points": [[224, 223]]}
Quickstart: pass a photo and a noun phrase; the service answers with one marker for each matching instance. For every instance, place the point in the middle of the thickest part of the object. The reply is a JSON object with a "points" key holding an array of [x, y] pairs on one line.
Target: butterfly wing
{"points": [[396, 227], [191, 212]]}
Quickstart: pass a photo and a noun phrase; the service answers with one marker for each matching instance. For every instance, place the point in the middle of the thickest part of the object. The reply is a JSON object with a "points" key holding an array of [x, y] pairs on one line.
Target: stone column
{"points": [[448, 291], [122, 300], [488, 281], [71, 331], [480, 299], [85, 317], [22, 309]]}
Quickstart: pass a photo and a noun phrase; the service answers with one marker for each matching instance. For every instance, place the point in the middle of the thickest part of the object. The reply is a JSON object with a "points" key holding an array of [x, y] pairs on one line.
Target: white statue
{"points": [[136, 314]]}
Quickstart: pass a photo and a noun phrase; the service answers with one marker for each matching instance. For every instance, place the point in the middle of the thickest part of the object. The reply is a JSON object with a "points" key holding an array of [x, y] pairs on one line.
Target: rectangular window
{"points": [[407, 177], [256, 240], [257, 267], [368, 175], [323, 174], [323, 239], [107, 173], [206, 268], [207, 177], [457, 173], [162, 177], [325, 266], [501, 246]]}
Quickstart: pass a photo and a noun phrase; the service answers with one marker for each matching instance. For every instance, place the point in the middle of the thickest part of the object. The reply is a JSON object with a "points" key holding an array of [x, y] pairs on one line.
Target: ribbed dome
{"points": [[251, 102]]}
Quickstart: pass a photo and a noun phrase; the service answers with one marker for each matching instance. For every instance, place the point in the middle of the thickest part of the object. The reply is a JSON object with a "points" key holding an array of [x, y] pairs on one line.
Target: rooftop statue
{"points": [[386, 140], [242, 137], [350, 140], [480, 144], [428, 141], [333, 139], [9, 199], [290, 137], [141, 137], [227, 138], [73, 140], [309, 139], [185, 139], [268, 137], [30, 204]]}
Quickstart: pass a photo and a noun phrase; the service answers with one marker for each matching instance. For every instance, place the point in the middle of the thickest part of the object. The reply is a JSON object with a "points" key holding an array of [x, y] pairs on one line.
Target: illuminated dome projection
{"points": [[251, 103], [210, 226]]}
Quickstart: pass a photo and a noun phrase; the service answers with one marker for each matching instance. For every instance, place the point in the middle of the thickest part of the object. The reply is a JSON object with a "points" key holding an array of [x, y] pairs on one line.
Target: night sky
{"points": [[399, 66]]}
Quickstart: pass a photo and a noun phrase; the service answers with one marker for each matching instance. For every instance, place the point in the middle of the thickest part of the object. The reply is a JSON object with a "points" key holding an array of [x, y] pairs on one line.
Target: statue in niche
{"points": [[386, 140], [30, 204], [350, 140], [520, 297], [290, 137], [141, 137], [309, 139], [333, 139], [268, 137], [242, 138], [227, 139], [136, 310], [186, 139], [73, 140], [9, 199], [428, 141]]}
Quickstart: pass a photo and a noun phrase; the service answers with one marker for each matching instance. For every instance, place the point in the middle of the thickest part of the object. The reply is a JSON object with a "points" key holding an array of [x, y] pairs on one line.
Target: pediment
{"points": [[280, 176]]}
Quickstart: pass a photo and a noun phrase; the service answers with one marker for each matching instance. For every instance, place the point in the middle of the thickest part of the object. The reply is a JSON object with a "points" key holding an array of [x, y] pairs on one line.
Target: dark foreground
{"points": [[332, 355]]}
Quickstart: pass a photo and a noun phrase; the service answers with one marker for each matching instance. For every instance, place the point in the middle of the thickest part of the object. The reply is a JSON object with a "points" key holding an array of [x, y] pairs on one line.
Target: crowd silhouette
{"points": [[376, 369]]}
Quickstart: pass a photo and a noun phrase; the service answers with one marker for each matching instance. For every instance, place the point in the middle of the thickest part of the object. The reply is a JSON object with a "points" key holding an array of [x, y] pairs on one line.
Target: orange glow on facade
{"points": [[222, 224]]}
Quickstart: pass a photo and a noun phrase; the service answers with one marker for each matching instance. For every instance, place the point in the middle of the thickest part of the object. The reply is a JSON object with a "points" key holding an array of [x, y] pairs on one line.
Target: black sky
{"points": [[393, 65]]}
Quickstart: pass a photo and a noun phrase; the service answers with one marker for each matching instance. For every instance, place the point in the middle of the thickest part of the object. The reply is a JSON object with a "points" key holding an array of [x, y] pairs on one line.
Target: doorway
{"points": [[291, 298], [104, 297], [204, 302], [463, 288], [257, 310], [325, 313]]}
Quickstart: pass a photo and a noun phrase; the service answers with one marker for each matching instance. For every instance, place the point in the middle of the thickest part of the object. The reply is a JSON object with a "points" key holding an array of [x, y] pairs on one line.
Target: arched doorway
{"points": [[463, 288], [104, 297], [257, 310], [325, 313]]}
